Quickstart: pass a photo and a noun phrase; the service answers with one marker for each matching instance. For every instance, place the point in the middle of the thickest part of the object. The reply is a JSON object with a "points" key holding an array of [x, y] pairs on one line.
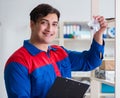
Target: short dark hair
{"points": [[43, 10]]}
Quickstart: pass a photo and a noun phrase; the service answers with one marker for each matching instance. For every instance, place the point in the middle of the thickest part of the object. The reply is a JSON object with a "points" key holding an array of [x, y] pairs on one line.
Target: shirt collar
{"points": [[34, 50]]}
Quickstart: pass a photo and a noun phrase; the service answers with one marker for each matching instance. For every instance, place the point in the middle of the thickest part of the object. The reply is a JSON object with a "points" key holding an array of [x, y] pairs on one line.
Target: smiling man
{"points": [[44, 31], [32, 69]]}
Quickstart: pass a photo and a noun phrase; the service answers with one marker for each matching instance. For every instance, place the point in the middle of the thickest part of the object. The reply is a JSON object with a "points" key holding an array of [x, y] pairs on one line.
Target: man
{"points": [[32, 69]]}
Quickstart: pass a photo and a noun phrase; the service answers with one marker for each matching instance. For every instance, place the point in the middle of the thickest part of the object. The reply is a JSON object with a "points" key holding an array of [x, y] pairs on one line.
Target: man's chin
{"points": [[49, 42]]}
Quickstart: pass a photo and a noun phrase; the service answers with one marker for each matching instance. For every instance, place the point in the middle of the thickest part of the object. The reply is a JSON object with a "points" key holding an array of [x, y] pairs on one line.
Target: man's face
{"points": [[45, 29]]}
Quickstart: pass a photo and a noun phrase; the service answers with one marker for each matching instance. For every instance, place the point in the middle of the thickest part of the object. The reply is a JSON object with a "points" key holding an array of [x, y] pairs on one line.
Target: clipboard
{"points": [[67, 88]]}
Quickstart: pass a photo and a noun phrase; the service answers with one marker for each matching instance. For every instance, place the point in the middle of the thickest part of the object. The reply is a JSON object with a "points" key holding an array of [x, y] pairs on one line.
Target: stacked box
{"points": [[108, 65]]}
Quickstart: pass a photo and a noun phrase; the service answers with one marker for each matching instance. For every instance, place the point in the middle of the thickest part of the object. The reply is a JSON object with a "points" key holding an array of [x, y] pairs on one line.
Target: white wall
{"points": [[14, 23], [107, 8]]}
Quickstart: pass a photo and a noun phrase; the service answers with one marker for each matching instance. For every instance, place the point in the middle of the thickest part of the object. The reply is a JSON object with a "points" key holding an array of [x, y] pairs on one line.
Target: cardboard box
{"points": [[108, 65]]}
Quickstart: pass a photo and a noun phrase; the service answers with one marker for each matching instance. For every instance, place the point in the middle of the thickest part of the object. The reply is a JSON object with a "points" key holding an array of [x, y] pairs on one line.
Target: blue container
{"points": [[107, 88]]}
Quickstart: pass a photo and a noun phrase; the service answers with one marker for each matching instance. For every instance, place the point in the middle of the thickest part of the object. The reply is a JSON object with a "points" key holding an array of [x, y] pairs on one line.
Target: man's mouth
{"points": [[48, 34]]}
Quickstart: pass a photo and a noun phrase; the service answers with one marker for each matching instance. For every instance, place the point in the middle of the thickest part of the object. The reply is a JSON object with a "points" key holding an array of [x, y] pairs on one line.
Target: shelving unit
{"points": [[95, 82], [109, 54], [117, 47], [81, 43]]}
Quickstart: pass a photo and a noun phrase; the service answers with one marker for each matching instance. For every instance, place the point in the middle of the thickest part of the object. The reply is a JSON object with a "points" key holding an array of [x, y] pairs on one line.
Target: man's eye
{"points": [[44, 22], [55, 25]]}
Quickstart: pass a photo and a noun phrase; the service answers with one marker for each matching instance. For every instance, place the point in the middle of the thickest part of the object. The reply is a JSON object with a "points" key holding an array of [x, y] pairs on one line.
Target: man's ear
{"points": [[32, 23]]}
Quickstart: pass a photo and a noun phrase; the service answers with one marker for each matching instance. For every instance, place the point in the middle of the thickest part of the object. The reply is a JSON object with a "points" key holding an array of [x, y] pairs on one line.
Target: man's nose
{"points": [[49, 27]]}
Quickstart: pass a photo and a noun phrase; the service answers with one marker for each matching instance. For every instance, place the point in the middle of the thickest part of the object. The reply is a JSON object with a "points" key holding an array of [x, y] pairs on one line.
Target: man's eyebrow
{"points": [[47, 20], [44, 19]]}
